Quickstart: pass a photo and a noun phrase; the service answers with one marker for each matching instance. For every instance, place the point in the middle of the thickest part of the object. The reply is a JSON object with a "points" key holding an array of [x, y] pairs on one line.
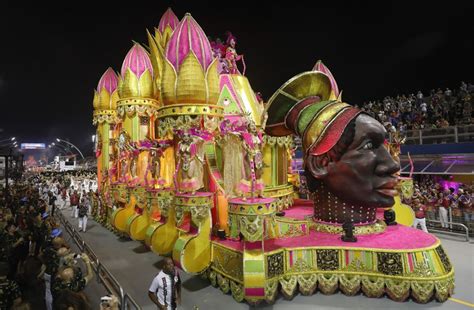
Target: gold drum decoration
{"points": [[251, 217]]}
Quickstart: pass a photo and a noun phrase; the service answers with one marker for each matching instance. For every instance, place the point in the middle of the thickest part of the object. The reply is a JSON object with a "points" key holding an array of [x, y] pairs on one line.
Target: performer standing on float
{"points": [[253, 162], [126, 151], [154, 162], [190, 163], [231, 55]]}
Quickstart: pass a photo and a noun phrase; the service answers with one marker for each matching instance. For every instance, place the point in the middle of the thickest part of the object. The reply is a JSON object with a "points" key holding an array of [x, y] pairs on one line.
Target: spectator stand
{"points": [[103, 275]]}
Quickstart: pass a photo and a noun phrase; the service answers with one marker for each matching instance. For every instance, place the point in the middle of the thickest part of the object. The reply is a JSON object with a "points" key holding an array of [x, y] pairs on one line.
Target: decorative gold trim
{"points": [[237, 291], [275, 265], [288, 285], [140, 106], [278, 191], [422, 291], [437, 243], [375, 274], [289, 220], [271, 291], [372, 287], [307, 284], [134, 101], [286, 141], [214, 243], [390, 263], [375, 228], [397, 290], [305, 84], [105, 116], [277, 187], [328, 285], [197, 206], [190, 109], [216, 271], [187, 201], [350, 283], [223, 283], [213, 278], [228, 262], [251, 209], [373, 284]]}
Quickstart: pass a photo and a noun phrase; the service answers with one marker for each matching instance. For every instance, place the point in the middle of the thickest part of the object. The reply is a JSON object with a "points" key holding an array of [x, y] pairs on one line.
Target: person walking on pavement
{"points": [[64, 197], [52, 202], [74, 199], [83, 211], [165, 289]]}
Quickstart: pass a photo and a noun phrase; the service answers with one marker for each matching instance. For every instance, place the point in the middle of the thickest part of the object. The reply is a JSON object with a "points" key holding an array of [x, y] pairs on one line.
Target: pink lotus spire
{"points": [[108, 81], [189, 36], [168, 18], [319, 66], [137, 60]]}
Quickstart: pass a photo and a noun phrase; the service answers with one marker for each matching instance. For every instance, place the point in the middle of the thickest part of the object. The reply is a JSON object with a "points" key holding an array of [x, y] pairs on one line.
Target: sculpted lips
{"points": [[388, 189]]}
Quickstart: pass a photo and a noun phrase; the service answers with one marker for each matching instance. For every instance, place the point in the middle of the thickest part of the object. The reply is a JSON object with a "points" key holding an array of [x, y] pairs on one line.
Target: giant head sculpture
{"points": [[347, 165]]}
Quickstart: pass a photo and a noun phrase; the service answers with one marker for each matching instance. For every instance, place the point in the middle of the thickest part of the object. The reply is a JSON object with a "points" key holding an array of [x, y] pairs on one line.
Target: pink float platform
{"points": [[301, 210], [397, 237], [401, 262]]}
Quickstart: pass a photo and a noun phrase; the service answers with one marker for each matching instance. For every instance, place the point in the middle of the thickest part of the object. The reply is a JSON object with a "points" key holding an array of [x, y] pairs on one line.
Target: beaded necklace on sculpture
{"points": [[331, 212]]}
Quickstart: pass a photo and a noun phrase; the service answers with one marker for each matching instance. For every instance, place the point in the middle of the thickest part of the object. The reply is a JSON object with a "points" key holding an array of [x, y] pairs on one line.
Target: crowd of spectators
{"points": [[434, 199], [38, 269], [439, 109]]}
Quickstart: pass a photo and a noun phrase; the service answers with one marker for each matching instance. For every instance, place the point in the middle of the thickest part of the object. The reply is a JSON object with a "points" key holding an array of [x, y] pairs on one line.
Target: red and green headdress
{"points": [[304, 106]]}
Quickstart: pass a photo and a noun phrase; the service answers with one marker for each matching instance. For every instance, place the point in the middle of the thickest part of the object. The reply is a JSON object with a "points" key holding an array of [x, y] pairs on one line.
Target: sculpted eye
{"points": [[368, 146]]}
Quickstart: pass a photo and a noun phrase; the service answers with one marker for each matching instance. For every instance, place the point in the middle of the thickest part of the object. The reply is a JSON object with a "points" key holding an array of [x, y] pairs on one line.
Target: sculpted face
{"points": [[364, 175]]}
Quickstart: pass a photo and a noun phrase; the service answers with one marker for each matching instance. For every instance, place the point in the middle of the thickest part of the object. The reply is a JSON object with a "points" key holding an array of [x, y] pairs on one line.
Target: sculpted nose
{"points": [[386, 164]]}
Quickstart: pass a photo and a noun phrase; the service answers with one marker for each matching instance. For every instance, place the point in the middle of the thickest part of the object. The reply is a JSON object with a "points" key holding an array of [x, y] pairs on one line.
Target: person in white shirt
{"points": [[94, 186], [165, 289], [423, 107], [85, 185]]}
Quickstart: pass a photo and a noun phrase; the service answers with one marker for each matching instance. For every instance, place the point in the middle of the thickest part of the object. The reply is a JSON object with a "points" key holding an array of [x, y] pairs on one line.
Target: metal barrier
{"points": [[104, 276], [451, 232], [452, 134]]}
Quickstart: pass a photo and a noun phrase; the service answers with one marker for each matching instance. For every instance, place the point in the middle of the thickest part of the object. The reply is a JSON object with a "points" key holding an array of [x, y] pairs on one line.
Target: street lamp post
{"points": [[61, 140], [9, 144], [9, 139], [61, 149]]}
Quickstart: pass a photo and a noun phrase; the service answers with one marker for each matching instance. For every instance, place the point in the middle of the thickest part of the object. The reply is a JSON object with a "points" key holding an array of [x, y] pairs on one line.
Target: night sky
{"points": [[52, 56]]}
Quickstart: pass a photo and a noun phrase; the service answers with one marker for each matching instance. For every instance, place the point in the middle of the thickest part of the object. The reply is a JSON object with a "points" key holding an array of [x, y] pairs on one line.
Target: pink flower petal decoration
{"points": [[108, 81], [137, 60], [168, 18], [319, 66], [189, 36]]}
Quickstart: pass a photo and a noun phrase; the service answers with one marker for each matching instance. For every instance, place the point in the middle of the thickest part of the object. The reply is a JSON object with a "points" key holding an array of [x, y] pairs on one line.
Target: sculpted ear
{"points": [[318, 165]]}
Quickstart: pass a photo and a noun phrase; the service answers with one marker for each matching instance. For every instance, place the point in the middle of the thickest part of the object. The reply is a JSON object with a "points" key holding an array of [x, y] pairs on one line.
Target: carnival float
{"points": [[192, 162]]}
